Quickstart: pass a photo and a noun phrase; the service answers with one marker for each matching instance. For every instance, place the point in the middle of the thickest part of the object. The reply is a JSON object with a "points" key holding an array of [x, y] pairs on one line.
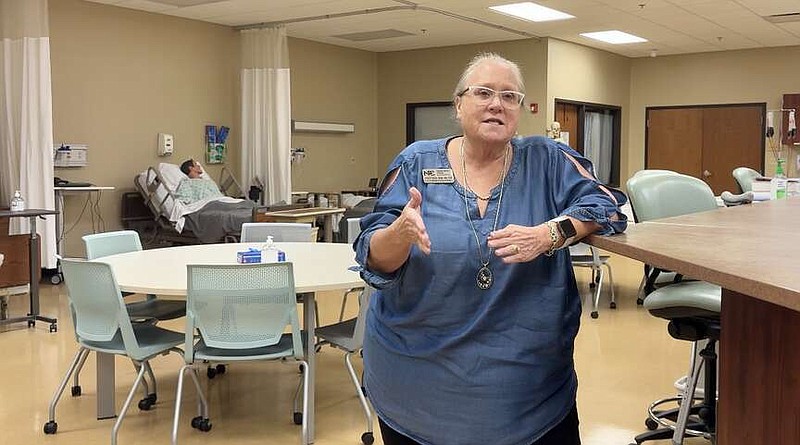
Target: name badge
{"points": [[438, 176]]}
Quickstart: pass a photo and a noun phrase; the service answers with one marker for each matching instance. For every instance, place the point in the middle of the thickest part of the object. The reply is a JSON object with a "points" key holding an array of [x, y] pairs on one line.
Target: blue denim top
{"points": [[448, 363]]}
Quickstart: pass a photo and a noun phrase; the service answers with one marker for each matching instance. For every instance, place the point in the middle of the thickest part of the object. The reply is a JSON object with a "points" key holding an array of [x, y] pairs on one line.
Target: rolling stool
{"points": [[693, 311]]}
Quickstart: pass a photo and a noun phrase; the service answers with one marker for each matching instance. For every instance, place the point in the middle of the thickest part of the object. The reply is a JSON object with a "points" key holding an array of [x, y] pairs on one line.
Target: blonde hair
{"points": [[483, 58]]}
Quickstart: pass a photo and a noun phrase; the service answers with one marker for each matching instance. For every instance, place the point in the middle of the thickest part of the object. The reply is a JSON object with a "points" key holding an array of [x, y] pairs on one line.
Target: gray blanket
{"points": [[216, 219]]}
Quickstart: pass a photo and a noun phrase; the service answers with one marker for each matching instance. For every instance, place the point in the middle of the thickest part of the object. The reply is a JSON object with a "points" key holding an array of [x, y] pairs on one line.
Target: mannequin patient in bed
{"points": [[195, 187]]}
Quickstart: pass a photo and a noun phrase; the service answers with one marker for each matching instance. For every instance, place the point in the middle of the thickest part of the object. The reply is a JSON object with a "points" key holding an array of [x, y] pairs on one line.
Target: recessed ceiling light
{"points": [[531, 11], [615, 37]]}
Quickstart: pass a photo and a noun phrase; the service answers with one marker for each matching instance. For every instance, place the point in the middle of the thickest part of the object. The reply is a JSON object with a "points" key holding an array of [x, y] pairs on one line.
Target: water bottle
{"points": [[17, 203], [778, 183], [269, 252]]}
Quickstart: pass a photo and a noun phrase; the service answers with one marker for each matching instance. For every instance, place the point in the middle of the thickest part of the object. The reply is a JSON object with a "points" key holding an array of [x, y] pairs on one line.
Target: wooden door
{"points": [[732, 137], [675, 140], [567, 116], [706, 142]]}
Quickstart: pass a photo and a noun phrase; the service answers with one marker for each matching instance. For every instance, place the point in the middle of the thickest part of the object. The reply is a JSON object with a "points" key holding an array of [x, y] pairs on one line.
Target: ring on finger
{"points": [[515, 248]]}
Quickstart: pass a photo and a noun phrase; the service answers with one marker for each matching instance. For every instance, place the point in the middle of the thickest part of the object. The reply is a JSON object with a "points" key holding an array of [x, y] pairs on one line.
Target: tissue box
{"points": [[248, 256]]}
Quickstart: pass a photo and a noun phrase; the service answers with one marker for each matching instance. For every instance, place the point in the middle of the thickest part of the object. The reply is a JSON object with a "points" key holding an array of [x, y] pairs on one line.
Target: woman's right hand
{"points": [[409, 226], [390, 246]]}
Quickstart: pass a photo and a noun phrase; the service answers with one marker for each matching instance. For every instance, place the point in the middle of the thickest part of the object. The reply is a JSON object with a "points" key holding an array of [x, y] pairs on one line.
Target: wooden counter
{"points": [[752, 252]]}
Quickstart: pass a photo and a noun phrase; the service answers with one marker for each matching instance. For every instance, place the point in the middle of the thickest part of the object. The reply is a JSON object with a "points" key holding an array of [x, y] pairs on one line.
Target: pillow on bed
{"points": [[173, 175]]}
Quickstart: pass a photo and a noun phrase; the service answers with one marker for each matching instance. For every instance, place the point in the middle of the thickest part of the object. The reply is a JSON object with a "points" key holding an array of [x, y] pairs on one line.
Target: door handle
{"points": [[706, 174]]}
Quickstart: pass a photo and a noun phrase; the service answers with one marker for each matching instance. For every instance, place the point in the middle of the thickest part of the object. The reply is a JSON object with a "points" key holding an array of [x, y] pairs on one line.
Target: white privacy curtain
{"points": [[26, 116], [599, 143], [266, 113]]}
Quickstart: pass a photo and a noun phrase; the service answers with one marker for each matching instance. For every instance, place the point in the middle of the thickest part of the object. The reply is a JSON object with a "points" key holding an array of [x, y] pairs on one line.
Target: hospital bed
{"points": [[210, 220]]}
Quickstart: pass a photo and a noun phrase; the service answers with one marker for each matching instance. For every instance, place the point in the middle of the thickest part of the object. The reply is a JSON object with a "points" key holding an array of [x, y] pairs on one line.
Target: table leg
{"points": [[328, 228], [105, 386], [33, 253], [310, 351]]}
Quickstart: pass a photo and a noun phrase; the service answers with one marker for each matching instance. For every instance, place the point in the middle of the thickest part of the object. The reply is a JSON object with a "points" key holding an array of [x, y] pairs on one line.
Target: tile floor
{"points": [[625, 359]]}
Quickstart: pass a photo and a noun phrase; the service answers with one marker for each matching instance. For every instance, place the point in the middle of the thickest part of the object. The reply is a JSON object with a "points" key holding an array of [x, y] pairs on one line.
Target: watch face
{"points": [[566, 228]]}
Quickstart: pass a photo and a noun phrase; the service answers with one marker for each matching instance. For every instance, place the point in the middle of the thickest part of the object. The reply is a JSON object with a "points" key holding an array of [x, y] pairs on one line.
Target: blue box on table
{"points": [[248, 256]]}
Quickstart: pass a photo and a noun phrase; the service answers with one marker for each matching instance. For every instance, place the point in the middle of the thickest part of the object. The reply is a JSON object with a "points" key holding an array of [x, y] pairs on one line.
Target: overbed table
{"points": [[751, 252], [304, 215], [317, 267]]}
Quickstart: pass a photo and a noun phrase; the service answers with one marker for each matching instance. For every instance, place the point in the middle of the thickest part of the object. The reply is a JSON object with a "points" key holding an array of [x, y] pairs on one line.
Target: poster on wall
{"points": [[215, 144]]}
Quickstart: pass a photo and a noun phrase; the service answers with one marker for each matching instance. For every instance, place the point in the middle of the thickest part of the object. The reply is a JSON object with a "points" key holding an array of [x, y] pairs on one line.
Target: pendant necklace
{"points": [[484, 278]]}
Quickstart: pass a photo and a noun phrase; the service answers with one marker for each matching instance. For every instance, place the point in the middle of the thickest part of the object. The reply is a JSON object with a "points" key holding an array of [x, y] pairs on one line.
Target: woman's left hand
{"points": [[518, 244]]}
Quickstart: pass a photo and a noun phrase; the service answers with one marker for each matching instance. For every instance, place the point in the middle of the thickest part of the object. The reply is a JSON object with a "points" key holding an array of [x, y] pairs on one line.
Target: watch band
{"points": [[568, 238], [555, 235]]}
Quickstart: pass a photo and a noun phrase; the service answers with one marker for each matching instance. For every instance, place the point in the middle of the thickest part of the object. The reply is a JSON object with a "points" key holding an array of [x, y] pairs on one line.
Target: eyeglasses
{"points": [[483, 95]]}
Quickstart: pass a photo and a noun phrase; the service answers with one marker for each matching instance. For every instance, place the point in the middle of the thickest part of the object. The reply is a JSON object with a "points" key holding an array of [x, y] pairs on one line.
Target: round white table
{"points": [[317, 267]]}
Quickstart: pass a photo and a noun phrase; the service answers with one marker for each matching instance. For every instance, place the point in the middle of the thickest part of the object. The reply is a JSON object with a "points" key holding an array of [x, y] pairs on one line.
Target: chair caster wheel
{"points": [[199, 423], [50, 427], [31, 323], [212, 371], [595, 314], [639, 302], [148, 402], [367, 438], [650, 424], [76, 391], [613, 305], [297, 418], [53, 328]]}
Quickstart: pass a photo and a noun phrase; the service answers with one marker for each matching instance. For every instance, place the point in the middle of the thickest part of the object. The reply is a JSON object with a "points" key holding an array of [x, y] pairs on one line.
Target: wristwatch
{"points": [[566, 229]]}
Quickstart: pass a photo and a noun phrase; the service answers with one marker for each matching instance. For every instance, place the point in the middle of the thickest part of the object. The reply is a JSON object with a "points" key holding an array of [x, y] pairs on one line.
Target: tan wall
{"points": [[122, 76], [334, 84], [761, 75], [429, 75], [580, 73]]}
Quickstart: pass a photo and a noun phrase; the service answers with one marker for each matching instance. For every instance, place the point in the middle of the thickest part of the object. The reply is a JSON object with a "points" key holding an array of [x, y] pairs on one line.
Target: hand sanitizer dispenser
{"points": [[165, 144]]}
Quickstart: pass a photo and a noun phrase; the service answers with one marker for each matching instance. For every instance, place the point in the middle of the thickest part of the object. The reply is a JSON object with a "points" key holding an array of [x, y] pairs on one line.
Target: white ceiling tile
{"points": [[671, 26]]}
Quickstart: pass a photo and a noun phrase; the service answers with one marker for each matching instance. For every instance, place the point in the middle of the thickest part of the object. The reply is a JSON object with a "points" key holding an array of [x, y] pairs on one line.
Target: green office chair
{"points": [[744, 178], [692, 308], [348, 335], [651, 274], [241, 312], [102, 324]]}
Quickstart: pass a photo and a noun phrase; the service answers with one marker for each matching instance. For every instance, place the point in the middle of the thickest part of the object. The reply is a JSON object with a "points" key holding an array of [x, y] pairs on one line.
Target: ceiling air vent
{"points": [[184, 3], [783, 18], [373, 35]]}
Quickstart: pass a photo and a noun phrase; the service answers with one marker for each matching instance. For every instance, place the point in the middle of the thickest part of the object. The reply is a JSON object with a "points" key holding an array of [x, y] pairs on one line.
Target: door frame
{"points": [[616, 139], [762, 105]]}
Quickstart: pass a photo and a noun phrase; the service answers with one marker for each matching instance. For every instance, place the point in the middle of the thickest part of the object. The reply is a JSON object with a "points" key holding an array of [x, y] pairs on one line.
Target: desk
{"points": [[751, 252], [59, 195], [33, 249], [317, 267], [304, 215]]}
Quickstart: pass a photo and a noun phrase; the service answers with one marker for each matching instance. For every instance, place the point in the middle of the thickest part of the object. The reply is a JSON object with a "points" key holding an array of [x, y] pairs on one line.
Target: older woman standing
{"points": [[470, 335]]}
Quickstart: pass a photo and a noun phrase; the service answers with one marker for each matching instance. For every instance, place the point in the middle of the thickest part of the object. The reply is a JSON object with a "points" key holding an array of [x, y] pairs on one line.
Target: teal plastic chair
{"points": [[151, 310], [348, 335], [99, 245], [257, 232], [240, 312], [102, 324], [744, 177], [691, 307]]}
